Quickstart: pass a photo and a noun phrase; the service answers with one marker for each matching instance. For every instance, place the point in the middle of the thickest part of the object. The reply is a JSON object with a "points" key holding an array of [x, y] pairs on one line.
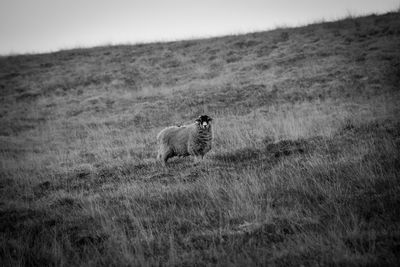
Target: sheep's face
{"points": [[204, 121]]}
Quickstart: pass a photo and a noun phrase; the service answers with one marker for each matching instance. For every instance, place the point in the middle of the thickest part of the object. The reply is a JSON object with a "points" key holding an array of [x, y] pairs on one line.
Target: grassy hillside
{"points": [[304, 168]]}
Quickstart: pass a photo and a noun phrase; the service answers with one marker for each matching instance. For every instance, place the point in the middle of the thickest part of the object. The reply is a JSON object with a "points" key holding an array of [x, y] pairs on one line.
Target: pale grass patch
{"points": [[279, 123]]}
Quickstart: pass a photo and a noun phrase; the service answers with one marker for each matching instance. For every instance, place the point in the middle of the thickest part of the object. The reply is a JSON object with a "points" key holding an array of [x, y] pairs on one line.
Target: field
{"points": [[304, 170]]}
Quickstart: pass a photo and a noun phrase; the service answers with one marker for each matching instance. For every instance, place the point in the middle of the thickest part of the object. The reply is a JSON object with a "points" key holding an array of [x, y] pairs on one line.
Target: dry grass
{"points": [[304, 168]]}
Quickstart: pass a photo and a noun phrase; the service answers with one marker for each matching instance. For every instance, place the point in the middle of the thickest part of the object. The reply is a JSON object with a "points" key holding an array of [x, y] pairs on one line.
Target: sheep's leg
{"points": [[164, 159], [163, 156], [166, 155]]}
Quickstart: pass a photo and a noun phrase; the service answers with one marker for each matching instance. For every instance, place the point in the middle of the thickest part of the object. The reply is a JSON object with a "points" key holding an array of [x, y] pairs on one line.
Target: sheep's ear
{"points": [[197, 120]]}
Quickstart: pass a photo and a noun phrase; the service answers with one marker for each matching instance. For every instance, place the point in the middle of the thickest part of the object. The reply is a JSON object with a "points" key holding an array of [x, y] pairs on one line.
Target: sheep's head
{"points": [[204, 121]]}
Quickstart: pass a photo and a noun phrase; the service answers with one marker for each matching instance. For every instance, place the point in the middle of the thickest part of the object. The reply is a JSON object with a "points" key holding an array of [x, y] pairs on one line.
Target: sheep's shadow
{"points": [[268, 152], [186, 169]]}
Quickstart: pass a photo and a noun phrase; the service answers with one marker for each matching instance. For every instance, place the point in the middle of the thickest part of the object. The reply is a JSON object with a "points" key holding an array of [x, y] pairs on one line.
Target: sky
{"points": [[37, 26]]}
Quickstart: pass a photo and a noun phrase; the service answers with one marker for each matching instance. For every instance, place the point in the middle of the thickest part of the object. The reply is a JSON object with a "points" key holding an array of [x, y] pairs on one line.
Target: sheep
{"points": [[194, 139]]}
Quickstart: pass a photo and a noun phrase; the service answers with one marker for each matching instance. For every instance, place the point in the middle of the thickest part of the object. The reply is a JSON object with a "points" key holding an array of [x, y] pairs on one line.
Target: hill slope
{"points": [[304, 168]]}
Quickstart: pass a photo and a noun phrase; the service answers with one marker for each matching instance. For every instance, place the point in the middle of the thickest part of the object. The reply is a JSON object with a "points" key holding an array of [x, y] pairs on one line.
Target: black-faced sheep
{"points": [[194, 139]]}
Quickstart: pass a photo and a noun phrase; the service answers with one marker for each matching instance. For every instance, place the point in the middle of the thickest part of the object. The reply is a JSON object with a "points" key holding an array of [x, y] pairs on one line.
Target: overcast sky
{"points": [[50, 25]]}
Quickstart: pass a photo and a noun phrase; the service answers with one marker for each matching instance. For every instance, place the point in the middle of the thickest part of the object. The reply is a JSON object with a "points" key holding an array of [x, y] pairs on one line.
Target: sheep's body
{"points": [[184, 141]]}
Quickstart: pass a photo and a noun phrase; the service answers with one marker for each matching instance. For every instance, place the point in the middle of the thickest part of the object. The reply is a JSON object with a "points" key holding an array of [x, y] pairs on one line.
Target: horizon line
{"points": [[200, 37]]}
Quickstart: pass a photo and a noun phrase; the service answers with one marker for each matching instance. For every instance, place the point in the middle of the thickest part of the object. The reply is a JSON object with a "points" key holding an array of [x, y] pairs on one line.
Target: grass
{"points": [[304, 168]]}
